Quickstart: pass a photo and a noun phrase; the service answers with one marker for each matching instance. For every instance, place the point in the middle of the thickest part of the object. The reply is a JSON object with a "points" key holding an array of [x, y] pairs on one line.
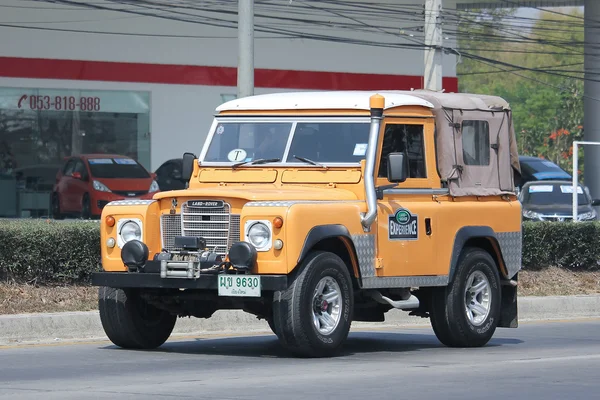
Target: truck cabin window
{"points": [[407, 139], [323, 142]]}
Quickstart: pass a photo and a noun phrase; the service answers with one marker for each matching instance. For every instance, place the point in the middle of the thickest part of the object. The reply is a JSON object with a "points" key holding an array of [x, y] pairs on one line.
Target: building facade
{"points": [[143, 79]]}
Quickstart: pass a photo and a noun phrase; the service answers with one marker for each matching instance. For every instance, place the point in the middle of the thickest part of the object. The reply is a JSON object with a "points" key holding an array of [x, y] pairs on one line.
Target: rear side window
{"points": [[69, 167], [476, 142]]}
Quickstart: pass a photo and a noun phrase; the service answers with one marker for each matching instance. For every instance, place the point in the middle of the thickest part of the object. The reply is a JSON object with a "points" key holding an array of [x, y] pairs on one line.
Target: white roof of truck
{"points": [[330, 100]]}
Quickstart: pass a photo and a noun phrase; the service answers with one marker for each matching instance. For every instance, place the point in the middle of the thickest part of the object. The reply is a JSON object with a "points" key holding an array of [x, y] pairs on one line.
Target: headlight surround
{"points": [[99, 186], [129, 229], [154, 187], [586, 216], [259, 234], [531, 214]]}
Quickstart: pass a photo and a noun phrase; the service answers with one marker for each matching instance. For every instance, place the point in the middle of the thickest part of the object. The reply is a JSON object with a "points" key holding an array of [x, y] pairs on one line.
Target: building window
{"points": [[476, 142], [408, 139], [39, 128]]}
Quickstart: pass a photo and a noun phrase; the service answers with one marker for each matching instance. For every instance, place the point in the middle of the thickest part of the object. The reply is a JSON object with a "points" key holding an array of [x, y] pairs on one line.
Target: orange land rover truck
{"points": [[311, 210]]}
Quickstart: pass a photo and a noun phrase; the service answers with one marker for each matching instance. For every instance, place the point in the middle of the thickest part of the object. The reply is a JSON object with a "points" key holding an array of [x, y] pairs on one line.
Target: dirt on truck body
{"points": [[313, 210]]}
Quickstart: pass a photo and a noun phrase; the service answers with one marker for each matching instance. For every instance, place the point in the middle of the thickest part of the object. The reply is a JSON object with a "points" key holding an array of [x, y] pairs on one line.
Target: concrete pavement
{"points": [[27, 328], [537, 361]]}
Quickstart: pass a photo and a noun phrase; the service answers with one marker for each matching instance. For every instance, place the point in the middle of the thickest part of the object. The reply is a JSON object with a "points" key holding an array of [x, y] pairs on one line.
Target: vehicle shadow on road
{"points": [[268, 346]]}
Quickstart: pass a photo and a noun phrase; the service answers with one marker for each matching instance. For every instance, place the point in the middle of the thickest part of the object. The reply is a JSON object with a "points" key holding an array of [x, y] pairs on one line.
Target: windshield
{"points": [[124, 168], [542, 168], [324, 142], [553, 194]]}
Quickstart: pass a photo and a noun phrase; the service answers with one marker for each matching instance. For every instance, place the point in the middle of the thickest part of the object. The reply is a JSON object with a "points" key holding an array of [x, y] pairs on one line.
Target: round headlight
{"points": [[131, 231], [259, 235]]}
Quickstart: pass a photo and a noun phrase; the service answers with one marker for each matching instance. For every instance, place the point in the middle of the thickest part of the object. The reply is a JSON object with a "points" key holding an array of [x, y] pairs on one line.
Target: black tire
{"points": [[130, 322], [271, 325], [449, 316], [294, 309], [56, 214], [86, 207]]}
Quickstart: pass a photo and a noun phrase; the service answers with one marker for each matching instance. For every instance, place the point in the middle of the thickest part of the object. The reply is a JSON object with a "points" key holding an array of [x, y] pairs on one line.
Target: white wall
{"points": [[220, 48], [181, 114]]}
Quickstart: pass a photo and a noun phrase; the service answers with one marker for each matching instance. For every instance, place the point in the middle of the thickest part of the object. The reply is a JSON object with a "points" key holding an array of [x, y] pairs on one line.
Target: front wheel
{"points": [[130, 322], [312, 317], [466, 313]]}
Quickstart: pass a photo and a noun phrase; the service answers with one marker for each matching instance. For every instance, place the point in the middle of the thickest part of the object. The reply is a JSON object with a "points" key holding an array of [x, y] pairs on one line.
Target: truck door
{"points": [[407, 224]]}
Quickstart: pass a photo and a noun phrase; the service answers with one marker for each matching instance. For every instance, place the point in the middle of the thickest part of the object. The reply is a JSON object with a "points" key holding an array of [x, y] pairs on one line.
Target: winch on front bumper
{"points": [[191, 267]]}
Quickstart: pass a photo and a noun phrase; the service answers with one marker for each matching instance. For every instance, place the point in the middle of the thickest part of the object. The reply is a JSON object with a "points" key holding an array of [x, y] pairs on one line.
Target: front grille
{"points": [[218, 227], [170, 226], [130, 193], [559, 218]]}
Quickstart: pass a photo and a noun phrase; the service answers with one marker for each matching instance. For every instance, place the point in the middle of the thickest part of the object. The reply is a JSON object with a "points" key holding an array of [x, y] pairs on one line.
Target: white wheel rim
{"points": [[478, 298], [327, 305]]}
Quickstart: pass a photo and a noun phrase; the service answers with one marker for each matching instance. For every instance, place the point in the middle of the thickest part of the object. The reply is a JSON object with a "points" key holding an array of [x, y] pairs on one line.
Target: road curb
{"points": [[52, 327]]}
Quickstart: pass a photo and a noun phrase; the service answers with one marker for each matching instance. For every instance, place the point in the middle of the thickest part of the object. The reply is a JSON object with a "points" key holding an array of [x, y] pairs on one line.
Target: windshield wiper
{"points": [[257, 161], [306, 160]]}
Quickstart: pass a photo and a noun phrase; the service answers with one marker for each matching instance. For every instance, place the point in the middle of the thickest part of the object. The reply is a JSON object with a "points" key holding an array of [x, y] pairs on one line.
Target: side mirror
{"points": [[397, 167], [187, 167], [596, 202], [76, 175]]}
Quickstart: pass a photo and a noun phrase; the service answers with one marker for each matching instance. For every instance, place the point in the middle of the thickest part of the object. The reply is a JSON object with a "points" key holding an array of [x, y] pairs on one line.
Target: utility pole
{"points": [[433, 41], [591, 89], [245, 48]]}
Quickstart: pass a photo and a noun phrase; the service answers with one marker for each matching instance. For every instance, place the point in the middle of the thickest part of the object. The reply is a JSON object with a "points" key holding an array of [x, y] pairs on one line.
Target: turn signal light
{"points": [[110, 220], [278, 222]]}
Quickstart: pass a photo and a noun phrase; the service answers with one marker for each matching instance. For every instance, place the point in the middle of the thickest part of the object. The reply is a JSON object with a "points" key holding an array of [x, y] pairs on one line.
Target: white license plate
{"points": [[239, 285]]}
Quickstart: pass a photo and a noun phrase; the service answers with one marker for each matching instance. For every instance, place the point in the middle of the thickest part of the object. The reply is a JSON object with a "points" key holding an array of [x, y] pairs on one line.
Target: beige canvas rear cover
{"points": [[451, 110]]}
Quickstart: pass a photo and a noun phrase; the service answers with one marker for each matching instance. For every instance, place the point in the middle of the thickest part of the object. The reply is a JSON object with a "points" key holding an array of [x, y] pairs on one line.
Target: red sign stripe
{"points": [[108, 71]]}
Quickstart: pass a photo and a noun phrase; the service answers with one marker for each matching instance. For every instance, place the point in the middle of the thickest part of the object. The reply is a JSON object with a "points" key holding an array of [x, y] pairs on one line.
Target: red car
{"points": [[86, 183]]}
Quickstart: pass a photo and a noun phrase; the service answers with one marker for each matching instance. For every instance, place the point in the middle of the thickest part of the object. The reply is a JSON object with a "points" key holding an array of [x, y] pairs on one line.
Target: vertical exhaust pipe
{"points": [[376, 104]]}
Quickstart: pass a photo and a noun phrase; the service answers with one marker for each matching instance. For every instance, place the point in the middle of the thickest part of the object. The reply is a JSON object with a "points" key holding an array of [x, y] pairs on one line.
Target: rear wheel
{"points": [[312, 317], [466, 312], [130, 322]]}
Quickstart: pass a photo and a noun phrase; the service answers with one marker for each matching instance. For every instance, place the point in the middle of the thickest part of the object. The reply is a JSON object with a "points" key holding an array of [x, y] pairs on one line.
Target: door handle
{"points": [[428, 226]]}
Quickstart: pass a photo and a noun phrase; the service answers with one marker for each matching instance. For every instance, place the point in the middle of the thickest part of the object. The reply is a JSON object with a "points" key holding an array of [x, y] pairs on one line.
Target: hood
{"points": [[262, 192], [120, 184], [559, 209]]}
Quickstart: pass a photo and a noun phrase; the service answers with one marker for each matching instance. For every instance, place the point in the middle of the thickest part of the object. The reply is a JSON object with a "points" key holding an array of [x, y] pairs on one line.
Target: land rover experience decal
{"points": [[403, 225]]}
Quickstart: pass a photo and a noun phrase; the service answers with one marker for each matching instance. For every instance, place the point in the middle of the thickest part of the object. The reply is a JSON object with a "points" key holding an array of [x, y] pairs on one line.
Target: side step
{"points": [[410, 303]]}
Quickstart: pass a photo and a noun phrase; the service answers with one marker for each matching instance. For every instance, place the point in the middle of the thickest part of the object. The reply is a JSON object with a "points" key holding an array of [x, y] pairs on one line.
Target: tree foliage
{"points": [[537, 68]]}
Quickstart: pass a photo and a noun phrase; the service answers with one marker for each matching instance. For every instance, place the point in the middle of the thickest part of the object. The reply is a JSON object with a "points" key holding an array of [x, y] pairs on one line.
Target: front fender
{"points": [[148, 211], [321, 232]]}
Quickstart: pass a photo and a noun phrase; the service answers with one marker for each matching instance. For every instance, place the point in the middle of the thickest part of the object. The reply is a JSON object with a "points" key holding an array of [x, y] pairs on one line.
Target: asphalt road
{"points": [[551, 360]]}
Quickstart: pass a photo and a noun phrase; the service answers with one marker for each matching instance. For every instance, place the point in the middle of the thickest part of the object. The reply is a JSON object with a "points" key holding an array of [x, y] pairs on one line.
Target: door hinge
{"points": [[378, 263]]}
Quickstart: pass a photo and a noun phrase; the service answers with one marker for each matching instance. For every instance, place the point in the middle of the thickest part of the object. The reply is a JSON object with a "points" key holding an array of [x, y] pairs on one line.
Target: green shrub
{"points": [[67, 252], [49, 252], [574, 246]]}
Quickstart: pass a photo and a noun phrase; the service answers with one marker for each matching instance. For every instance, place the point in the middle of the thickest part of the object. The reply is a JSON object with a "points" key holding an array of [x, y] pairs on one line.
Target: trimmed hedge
{"points": [[574, 246], [66, 252], [49, 252]]}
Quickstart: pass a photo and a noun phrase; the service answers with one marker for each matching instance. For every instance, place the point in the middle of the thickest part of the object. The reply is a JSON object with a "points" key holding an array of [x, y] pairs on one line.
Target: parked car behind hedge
{"points": [[539, 169], [553, 201], [88, 182]]}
